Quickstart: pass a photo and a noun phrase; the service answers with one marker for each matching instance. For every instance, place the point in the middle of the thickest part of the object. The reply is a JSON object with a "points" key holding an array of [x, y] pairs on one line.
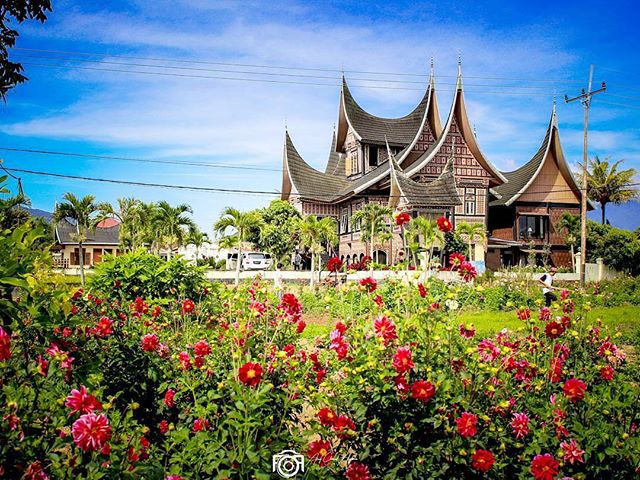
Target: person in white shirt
{"points": [[278, 283], [547, 290]]}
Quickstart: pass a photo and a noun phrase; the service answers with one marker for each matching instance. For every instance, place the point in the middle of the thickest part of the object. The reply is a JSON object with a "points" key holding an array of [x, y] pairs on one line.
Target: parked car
{"points": [[250, 261]]}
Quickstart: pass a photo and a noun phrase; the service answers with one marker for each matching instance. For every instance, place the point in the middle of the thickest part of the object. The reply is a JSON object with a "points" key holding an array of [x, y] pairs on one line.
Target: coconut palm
{"points": [[570, 224], [80, 211], [312, 233], [240, 224], [471, 230], [172, 225], [373, 220], [197, 238], [126, 214], [607, 184], [428, 232]]}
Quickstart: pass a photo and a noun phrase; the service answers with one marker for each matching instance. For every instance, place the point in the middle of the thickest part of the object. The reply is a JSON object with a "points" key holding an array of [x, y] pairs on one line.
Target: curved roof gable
{"points": [[372, 129], [299, 178]]}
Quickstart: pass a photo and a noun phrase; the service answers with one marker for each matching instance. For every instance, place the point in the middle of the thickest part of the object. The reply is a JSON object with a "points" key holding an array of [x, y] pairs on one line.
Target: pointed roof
{"points": [[299, 178], [372, 129], [441, 192], [520, 179], [459, 113], [335, 163]]}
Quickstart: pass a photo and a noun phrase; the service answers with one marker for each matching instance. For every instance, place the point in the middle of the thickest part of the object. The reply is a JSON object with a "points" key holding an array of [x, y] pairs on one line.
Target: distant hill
{"points": [[35, 212], [625, 216]]}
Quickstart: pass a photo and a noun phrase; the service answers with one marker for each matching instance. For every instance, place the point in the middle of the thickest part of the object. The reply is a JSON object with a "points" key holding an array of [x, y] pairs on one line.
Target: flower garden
{"points": [[168, 376]]}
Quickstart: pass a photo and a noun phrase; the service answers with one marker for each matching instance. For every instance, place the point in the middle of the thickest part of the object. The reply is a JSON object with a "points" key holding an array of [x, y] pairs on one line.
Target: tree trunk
{"points": [[603, 204], [238, 265], [313, 263], [81, 263]]}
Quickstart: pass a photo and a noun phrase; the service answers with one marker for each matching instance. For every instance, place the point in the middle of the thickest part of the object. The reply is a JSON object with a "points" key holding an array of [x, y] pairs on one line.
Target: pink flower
{"points": [[520, 425], [467, 331], [572, 452], [488, 351], [35, 472], [91, 431], [5, 345], [81, 401]]}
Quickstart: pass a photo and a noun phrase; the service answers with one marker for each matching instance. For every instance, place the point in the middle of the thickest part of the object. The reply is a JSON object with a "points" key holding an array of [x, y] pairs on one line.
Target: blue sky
{"points": [[544, 47]]}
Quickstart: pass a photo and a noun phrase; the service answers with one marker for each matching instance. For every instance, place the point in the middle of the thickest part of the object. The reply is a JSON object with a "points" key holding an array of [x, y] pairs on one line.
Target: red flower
{"points": [[5, 345], [422, 290], [402, 360], [91, 431], [607, 373], [553, 329], [467, 271], [385, 329], [320, 452], [488, 351], [341, 327], [104, 327], [524, 314], [456, 259], [163, 426], [343, 426], [169, 398], [174, 477], [444, 224], [43, 366], [334, 264], [150, 342], [467, 331], [520, 424], [81, 401], [423, 390], [291, 307], [202, 348], [466, 424], [572, 452], [300, 326], [156, 311], [544, 314], [188, 306], [327, 417], [482, 460], [379, 301], [250, 374], [357, 471], [402, 219], [200, 424], [35, 472], [544, 467], [574, 389], [369, 284]]}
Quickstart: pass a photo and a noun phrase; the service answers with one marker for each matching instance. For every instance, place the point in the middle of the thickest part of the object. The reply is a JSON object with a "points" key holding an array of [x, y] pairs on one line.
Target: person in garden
{"points": [[297, 260], [547, 290], [278, 284]]}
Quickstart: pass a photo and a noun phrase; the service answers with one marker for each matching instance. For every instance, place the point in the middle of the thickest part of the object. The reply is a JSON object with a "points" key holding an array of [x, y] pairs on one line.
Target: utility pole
{"points": [[585, 99]]}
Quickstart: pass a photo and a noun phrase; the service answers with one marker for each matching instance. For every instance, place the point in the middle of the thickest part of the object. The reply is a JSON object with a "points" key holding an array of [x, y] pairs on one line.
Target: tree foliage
{"points": [[607, 184]]}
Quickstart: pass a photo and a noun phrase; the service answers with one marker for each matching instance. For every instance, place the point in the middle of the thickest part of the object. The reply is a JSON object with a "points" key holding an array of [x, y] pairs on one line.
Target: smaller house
{"points": [[105, 239]]}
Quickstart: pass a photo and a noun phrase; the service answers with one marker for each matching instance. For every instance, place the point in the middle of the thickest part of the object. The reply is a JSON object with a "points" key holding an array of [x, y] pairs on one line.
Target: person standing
{"points": [[278, 283], [547, 290], [297, 260]]}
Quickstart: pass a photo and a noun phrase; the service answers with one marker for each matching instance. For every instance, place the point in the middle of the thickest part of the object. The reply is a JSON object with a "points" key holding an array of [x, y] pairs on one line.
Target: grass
{"points": [[625, 318]]}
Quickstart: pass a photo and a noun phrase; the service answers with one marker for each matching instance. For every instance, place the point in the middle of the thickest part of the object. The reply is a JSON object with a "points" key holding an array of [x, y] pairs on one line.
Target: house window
{"points": [[373, 156], [532, 226], [344, 223], [469, 201], [355, 166]]}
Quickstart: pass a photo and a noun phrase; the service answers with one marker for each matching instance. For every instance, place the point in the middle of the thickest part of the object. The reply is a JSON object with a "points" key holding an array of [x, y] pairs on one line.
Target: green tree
{"points": [[197, 238], [128, 217], [570, 225], [277, 234], [471, 231], [607, 184], [172, 225], [81, 212], [428, 232], [373, 221], [18, 10], [240, 225], [313, 233]]}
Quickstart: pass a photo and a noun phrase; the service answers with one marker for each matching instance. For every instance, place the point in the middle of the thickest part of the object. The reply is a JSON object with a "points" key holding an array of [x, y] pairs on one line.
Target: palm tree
{"points": [[313, 232], [197, 238], [241, 224], [81, 212], [372, 217], [172, 225], [126, 215], [571, 226], [429, 232], [605, 184], [471, 230]]}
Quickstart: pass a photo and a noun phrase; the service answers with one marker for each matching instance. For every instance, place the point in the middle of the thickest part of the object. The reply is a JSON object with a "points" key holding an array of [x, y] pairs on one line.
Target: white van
{"points": [[250, 261]]}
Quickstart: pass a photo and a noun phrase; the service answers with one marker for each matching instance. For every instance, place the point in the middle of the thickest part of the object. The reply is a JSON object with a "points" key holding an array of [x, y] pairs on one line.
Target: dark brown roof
{"points": [[441, 192], [371, 129], [307, 181], [335, 164], [65, 235]]}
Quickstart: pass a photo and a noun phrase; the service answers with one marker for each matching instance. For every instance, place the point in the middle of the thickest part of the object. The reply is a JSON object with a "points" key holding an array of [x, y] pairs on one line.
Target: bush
{"points": [[141, 274]]}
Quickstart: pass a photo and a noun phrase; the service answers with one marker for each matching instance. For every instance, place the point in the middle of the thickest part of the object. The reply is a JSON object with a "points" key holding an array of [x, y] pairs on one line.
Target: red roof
{"points": [[108, 223]]}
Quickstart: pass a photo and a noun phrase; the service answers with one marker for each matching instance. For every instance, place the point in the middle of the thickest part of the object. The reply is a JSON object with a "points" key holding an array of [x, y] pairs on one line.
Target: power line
{"points": [[281, 67], [141, 160], [624, 105], [258, 80], [220, 190]]}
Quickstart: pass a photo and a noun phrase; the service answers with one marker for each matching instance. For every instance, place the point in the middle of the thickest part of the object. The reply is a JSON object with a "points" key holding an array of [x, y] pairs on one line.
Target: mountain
{"points": [[35, 212], [625, 216]]}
